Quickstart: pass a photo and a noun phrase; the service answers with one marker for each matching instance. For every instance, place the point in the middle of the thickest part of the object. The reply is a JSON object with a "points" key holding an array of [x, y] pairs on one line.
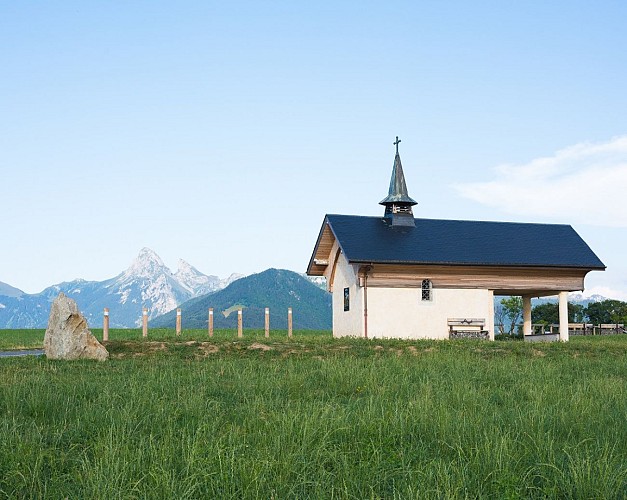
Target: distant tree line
{"points": [[508, 314]]}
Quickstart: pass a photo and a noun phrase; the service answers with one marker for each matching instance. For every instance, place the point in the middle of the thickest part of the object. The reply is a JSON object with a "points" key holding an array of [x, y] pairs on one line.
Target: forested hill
{"points": [[277, 289]]}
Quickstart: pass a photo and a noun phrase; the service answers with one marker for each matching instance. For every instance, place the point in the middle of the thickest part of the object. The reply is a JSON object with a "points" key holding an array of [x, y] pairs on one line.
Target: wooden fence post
{"points": [[145, 322], [267, 321], [289, 321], [239, 322], [211, 322], [178, 321], [105, 325]]}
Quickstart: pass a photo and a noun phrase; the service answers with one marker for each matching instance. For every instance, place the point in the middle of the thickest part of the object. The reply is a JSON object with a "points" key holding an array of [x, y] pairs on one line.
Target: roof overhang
{"points": [[321, 256]]}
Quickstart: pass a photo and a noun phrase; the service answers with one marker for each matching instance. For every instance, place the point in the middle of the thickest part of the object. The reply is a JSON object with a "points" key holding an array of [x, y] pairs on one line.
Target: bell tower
{"points": [[398, 203]]}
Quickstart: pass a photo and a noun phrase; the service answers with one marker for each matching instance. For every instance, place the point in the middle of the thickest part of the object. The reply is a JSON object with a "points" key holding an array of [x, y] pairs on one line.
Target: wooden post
{"points": [[145, 322], [178, 321], [105, 325], [239, 322], [289, 321], [211, 322], [267, 321]]}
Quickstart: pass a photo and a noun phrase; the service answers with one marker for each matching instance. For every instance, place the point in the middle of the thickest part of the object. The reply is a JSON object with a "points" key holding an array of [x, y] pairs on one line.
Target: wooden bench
{"points": [[467, 328]]}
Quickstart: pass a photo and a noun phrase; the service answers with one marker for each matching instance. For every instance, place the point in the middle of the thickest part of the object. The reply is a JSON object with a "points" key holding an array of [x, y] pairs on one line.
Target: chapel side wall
{"points": [[347, 323], [401, 312]]}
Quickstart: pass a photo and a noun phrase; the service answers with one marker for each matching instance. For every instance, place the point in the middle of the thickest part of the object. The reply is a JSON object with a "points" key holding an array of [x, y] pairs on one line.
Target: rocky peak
{"points": [[147, 264], [185, 269], [195, 280], [233, 277]]}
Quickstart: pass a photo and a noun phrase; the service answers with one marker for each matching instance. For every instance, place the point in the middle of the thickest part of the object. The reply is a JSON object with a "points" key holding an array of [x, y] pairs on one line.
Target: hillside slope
{"points": [[277, 289], [10, 291]]}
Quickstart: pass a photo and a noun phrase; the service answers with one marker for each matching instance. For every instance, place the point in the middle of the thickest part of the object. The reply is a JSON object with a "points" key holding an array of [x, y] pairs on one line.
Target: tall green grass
{"points": [[316, 417]]}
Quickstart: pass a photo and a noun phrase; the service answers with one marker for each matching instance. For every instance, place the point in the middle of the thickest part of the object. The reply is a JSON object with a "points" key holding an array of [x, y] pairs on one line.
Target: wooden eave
{"points": [[503, 280], [322, 251]]}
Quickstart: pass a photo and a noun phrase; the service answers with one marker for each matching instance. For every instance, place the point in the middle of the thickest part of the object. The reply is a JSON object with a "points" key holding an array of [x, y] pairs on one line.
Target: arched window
{"points": [[427, 290]]}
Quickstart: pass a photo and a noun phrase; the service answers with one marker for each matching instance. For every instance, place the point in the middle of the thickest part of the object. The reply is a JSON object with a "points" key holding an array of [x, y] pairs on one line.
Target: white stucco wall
{"points": [[351, 322], [401, 312]]}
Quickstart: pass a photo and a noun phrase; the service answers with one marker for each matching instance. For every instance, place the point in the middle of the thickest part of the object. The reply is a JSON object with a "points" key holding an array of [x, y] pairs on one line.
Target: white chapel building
{"points": [[397, 276]]}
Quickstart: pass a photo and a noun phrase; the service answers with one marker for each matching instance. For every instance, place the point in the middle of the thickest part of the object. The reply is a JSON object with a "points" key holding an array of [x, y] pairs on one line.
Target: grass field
{"points": [[33, 339], [314, 417]]}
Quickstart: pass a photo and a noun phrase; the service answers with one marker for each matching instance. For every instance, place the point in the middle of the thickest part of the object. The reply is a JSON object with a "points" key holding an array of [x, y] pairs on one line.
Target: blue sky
{"points": [[222, 132]]}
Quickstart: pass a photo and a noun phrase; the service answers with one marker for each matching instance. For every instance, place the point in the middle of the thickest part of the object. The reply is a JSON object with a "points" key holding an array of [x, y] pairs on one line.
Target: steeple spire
{"points": [[398, 203]]}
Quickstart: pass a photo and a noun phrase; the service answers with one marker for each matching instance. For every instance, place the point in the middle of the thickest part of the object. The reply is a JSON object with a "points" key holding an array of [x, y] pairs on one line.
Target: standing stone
{"points": [[67, 335]]}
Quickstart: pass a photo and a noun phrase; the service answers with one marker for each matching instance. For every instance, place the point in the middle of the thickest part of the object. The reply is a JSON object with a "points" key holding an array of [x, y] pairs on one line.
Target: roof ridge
{"points": [[459, 220]]}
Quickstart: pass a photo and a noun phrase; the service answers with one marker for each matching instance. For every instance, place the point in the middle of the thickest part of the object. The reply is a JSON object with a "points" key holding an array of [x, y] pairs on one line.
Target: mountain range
{"points": [[276, 289], [147, 282]]}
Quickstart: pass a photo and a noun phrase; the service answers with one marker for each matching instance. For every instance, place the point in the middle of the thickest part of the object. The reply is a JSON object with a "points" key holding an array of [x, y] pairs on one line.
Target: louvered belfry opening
{"points": [[398, 203]]}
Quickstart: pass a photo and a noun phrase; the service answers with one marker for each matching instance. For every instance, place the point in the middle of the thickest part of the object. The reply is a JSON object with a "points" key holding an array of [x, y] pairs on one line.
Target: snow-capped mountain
{"points": [[227, 281], [147, 282], [194, 281], [580, 297], [573, 298], [319, 281]]}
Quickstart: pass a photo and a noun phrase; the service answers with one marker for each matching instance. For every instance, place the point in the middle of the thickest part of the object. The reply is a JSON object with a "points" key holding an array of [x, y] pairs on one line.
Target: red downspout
{"points": [[366, 304]]}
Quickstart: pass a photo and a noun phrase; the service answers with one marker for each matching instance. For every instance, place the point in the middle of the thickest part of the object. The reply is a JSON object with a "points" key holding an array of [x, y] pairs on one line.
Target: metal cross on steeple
{"points": [[396, 143]]}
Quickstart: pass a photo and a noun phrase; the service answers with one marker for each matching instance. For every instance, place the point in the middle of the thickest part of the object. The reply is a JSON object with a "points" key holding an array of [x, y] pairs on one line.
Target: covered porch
{"points": [[527, 295]]}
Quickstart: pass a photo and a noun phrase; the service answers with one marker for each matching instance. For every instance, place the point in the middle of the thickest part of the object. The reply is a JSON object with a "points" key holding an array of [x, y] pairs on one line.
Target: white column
{"points": [[563, 308], [526, 314], [490, 318]]}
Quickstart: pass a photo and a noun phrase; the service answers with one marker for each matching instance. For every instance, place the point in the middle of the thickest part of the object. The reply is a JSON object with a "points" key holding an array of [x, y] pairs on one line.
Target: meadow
{"points": [[315, 417]]}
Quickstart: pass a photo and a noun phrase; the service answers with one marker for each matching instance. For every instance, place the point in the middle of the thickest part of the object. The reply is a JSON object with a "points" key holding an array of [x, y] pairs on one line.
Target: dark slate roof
{"points": [[457, 242]]}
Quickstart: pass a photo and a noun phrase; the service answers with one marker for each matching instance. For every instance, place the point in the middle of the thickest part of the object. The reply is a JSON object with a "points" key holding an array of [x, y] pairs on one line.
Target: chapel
{"points": [[397, 276]]}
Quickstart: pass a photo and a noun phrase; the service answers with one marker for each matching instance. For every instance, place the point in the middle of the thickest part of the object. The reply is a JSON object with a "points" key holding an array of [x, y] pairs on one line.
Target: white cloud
{"points": [[585, 183]]}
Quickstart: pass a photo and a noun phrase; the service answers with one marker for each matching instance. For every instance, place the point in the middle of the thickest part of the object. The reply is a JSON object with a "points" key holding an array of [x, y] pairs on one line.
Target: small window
{"points": [[346, 299], [427, 290]]}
